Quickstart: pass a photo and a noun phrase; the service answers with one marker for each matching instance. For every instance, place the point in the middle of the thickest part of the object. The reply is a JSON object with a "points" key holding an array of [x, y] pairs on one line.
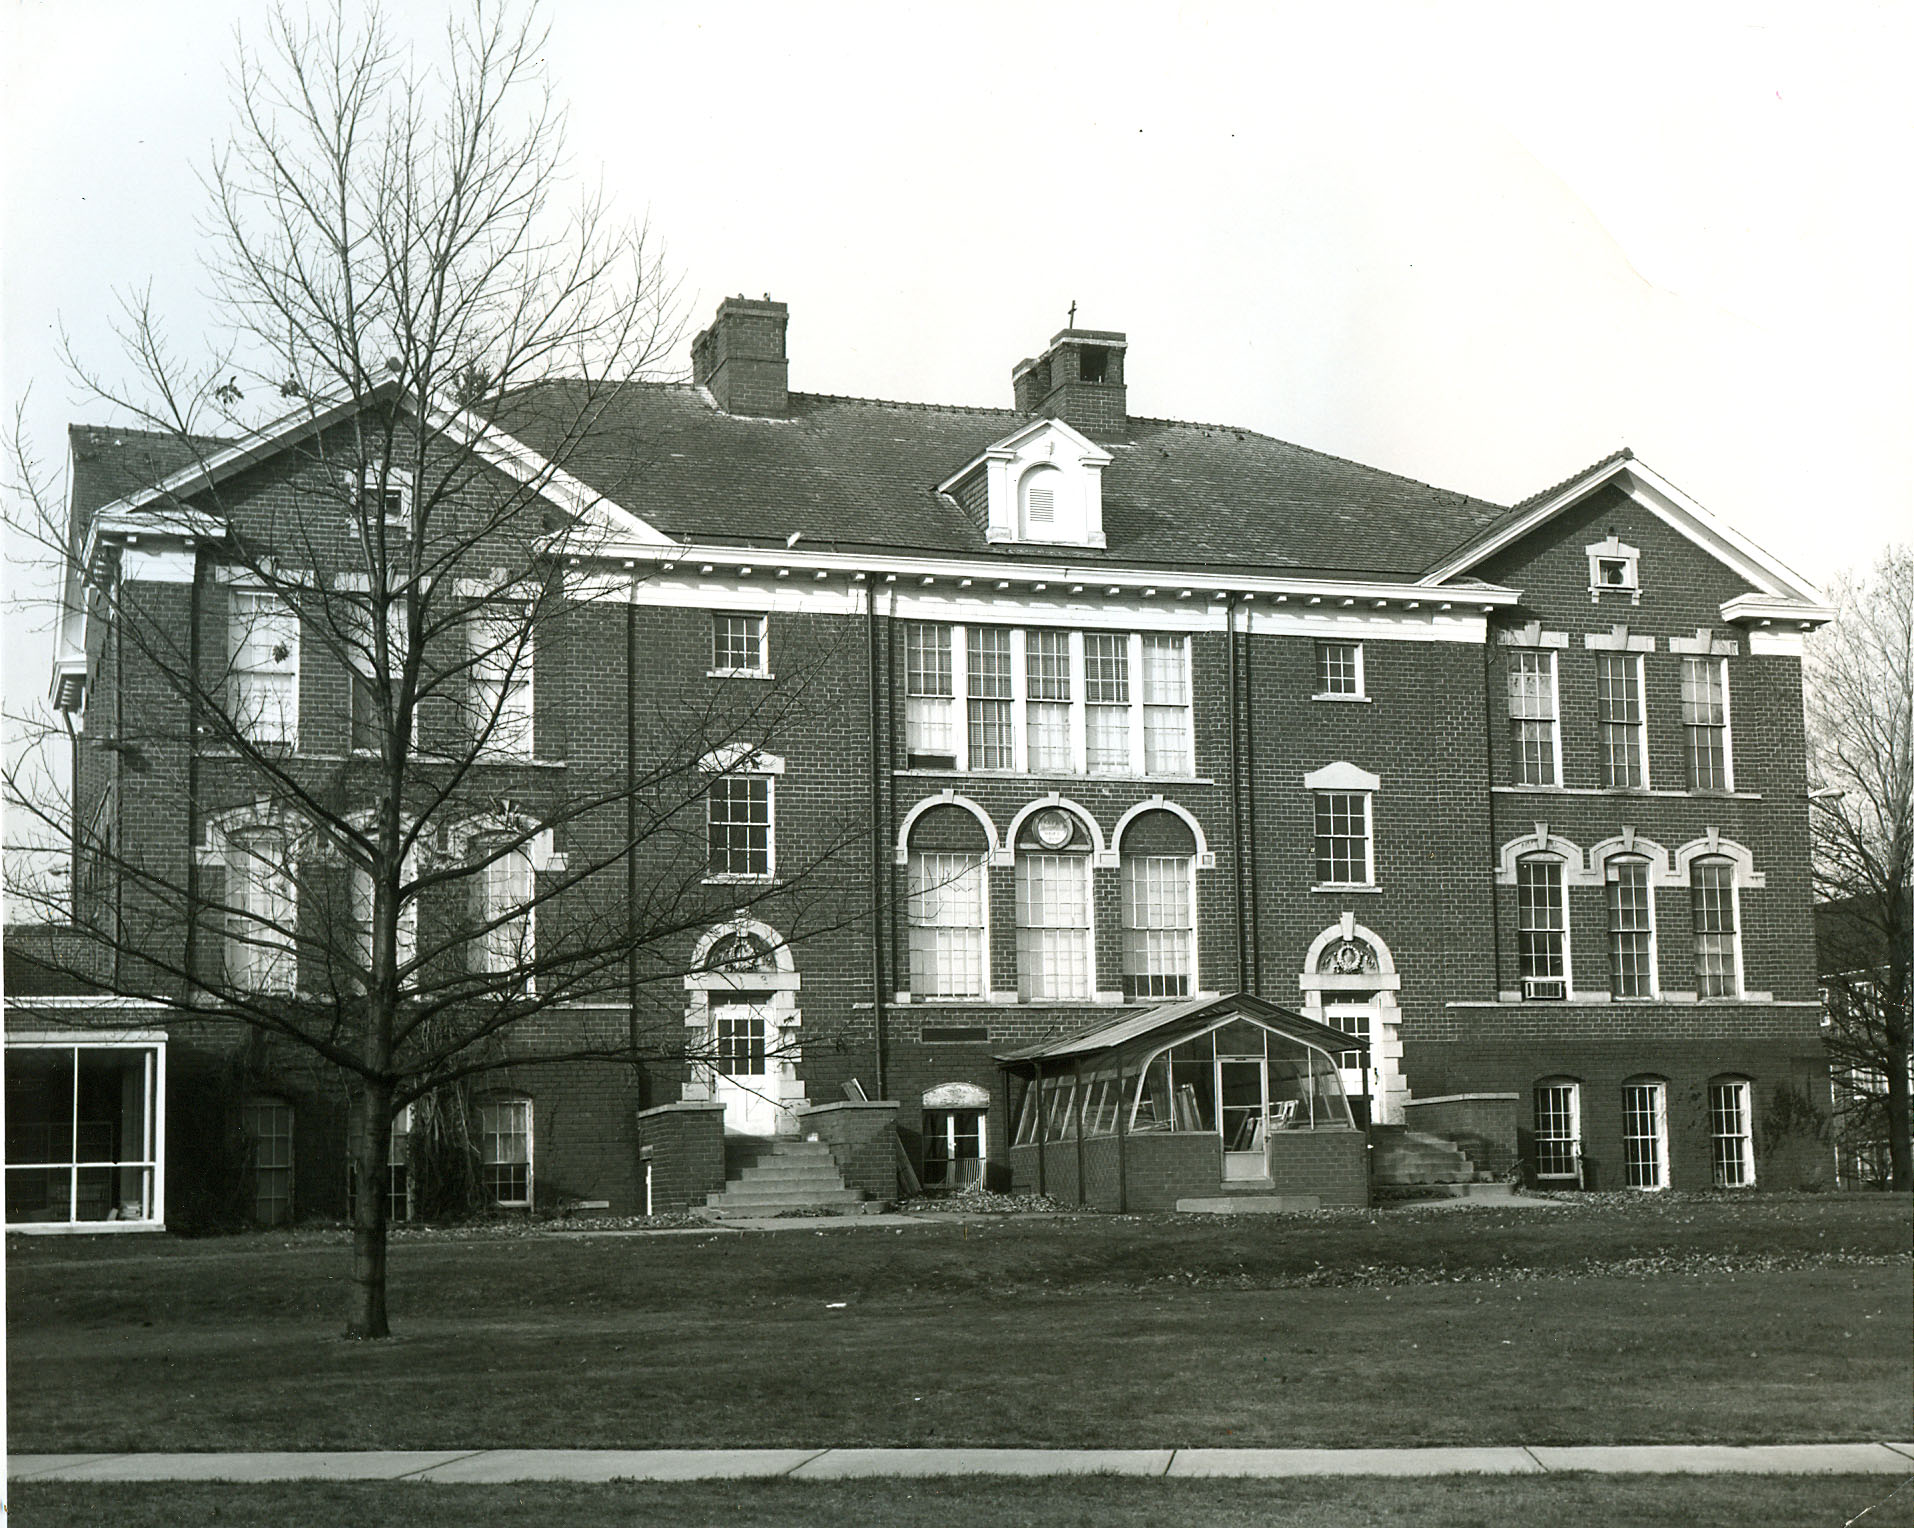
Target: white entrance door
{"points": [[746, 1074], [1359, 1019]]}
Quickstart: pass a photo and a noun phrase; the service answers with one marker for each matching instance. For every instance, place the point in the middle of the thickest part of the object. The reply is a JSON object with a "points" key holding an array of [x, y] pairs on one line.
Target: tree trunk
{"points": [[371, 1144]]}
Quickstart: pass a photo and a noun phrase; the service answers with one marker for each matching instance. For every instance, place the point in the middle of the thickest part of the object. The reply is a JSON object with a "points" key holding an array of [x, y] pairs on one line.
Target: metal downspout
{"points": [[877, 843], [1236, 802]]}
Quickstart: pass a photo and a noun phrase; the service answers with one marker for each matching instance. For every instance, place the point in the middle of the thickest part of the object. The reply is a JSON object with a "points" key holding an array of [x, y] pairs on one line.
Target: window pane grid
{"points": [[1541, 920], [1157, 926], [1053, 926], [1342, 838], [988, 651], [1336, 671], [737, 643], [1557, 1130], [505, 1146], [1532, 716], [1713, 898], [1728, 1128], [946, 913], [740, 826], [265, 667], [1630, 958], [1166, 706], [1641, 1135], [1618, 701], [1704, 717]]}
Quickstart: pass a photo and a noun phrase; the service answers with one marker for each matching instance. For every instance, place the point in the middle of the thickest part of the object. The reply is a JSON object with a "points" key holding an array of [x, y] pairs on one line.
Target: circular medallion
{"points": [[1053, 828]]}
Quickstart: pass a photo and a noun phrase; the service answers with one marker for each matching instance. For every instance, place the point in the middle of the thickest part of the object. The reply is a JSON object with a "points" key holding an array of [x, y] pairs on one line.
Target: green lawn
{"points": [[1668, 1320], [1562, 1501]]}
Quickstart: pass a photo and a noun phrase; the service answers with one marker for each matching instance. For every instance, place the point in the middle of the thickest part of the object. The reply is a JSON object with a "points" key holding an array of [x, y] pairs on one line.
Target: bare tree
{"points": [[404, 895], [1861, 730]]}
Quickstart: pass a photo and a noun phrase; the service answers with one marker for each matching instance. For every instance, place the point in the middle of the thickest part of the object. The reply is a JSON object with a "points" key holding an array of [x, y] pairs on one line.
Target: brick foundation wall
{"points": [[863, 1142], [1482, 1124], [685, 1143]]}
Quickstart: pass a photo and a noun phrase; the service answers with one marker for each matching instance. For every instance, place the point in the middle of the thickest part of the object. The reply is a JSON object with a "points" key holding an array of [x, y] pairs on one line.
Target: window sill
{"points": [[945, 771], [741, 880], [1360, 699], [1338, 887], [1660, 792], [718, 673]]}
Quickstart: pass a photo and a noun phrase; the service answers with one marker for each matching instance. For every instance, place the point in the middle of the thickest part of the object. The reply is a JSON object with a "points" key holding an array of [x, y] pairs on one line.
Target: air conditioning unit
{"points": [[1544, 988]]}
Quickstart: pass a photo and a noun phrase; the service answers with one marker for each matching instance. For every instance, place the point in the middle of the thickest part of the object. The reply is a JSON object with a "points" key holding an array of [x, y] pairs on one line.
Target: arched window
{"points": [[739, 952], [262, 911], [1054, 956], [1159, 907], [1645, 1133], [1039, 503], [1558, 1130], [1711, 884], [1731, 1131], [1631, 929], [1541, 921], [948, 905], [269, 1139], [505, 1150]]}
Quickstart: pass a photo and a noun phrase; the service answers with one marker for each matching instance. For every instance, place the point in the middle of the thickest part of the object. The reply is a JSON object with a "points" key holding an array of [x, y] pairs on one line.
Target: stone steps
{"points": [[774, 1176], [1408, 1158]]}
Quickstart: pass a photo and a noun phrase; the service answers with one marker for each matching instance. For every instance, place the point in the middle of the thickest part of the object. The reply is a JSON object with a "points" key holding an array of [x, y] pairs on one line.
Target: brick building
{"points": [[1067, 714]]}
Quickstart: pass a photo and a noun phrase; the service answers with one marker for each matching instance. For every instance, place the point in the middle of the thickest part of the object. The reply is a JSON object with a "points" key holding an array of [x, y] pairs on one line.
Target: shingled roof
{"points": [[856, 473]]}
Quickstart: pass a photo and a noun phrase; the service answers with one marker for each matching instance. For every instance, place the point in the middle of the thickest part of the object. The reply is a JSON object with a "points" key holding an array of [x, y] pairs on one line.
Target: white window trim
{"points": [[1019, 702], [360, 894], [1555, 723], [1124, 929], [755, 771], [1575, 1126], [236, 593], [1568, 867], [1746, 1089], [1361, 692], [1613, 549], [153, 1151], [395, 477], [485, 944], [531, 1148], [1727, 730], [1660, 1089], [511, 734], [1368, 837], [262, 940], [1654, 925], [984, 858], [1091, 857], [1640, 729], [763, 669], [1740, 994]]}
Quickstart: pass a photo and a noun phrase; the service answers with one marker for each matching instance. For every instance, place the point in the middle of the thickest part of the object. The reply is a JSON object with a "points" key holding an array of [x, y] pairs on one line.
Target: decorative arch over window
{"points": [[1156, 851], [462, 839], [1204, 856], [1056, 843], [220, 830], [1631, 845], [948, 798], [1100, 856], [956, 1095], [1714, 846], [744, 952], [1346, 954], [1545, 844]]}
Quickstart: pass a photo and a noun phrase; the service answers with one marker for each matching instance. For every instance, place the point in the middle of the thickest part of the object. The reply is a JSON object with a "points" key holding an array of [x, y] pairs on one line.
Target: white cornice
{"points": [[1766, 610]]}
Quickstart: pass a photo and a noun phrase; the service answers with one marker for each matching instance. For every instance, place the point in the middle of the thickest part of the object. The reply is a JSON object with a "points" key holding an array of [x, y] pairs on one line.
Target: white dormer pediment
{"points": [[1043, 486]]}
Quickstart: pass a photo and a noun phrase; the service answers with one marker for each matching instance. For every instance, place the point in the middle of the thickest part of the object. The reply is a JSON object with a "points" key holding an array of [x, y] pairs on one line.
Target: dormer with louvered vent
{"points": [[1042, 486]]}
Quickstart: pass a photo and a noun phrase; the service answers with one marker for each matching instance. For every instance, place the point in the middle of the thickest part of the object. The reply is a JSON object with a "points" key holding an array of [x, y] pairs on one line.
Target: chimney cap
{"points": [[1115, 338]]}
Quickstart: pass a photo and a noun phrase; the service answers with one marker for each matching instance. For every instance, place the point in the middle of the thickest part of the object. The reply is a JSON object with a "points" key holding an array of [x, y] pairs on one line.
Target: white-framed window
{"points": [[1541, 921], [1533, 731], [387, 493], [1731, 1131], [1645, 1134], [1558, 1129], [1620, 723], [1055, 960], [1047, 708], [1704, 720], [1614, 567], [1106, 694], [949, 943], [738, 647], [739, 828], [407, 932], [501, 676], [930, 706], [269, 1140], [264, 687], [398, 1172], [992, 698], [1166, 706], [954, 1148], [506, 888], [1711, 884], [85, 1122], [262, 900], [367, 713], [505, 1150], [1047, 701], [740, 1039], [1345, 852], [1159, 925], [1339, 674], [1631, 929]]}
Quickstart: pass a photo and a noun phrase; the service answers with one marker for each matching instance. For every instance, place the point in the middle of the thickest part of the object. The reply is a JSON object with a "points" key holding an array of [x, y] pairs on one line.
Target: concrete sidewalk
{"points": [[499, 1466]]}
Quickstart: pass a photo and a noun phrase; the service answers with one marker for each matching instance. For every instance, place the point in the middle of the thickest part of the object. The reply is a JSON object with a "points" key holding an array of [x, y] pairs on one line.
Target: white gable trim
{"points": [[1667, 503]]}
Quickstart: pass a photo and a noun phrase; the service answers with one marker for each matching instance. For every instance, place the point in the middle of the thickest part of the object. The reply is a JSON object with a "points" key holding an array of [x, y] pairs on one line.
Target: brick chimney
{"points": [[741, 358], [1079, 380]]}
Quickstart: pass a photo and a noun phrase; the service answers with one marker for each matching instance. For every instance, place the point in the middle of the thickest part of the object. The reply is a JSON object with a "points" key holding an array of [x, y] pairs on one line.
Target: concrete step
{"points": [[770, 1176], [770, 1207], [752, 1193], [1248, 1204]]}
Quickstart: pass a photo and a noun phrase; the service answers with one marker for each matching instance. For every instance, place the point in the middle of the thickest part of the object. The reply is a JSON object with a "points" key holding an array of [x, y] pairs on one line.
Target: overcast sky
{"points": [[1481, 245]]}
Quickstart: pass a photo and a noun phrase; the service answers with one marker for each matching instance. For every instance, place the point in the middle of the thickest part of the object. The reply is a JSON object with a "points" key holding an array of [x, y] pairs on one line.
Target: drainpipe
{"points": [[1249, 777], [631, 835], [193, 624], [877, 843], [1236, 801], [1488, 804]]}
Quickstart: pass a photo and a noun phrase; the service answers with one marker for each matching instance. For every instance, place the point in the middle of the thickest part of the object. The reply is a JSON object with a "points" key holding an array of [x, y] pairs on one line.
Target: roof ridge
{"points": [[903, 403], [1623, 454]]}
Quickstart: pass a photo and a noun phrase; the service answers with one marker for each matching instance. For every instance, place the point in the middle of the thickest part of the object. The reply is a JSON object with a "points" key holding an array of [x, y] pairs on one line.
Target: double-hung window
{"points": [[1712, 895], [1631, 946], [1106, 717], [1541, 920], [262, 911], [1558, 1130], [1532, 716], [1053, 925], [1158, 926], [368, 662], [264, 687], [739, 828], [1166, 706], [992, 730], [930, 720], [1645, 1135], [1344, 851], [1731, 1132], [505, 1151], [506, 890], [268, 1123], [1339, 670], [501, 675], [406, 932], [737, 646], [946, 913], [1047, 707], [1618, 709], [1704, 719]]}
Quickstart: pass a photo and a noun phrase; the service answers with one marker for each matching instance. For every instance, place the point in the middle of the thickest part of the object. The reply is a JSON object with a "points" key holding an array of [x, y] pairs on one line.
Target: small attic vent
{"points": [[1043, 506]]}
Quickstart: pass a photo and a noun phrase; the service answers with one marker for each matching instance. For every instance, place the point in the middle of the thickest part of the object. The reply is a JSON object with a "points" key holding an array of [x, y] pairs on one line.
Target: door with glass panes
{"points": [[1242, 1091], [1358, 1019], [744, 1071]]}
